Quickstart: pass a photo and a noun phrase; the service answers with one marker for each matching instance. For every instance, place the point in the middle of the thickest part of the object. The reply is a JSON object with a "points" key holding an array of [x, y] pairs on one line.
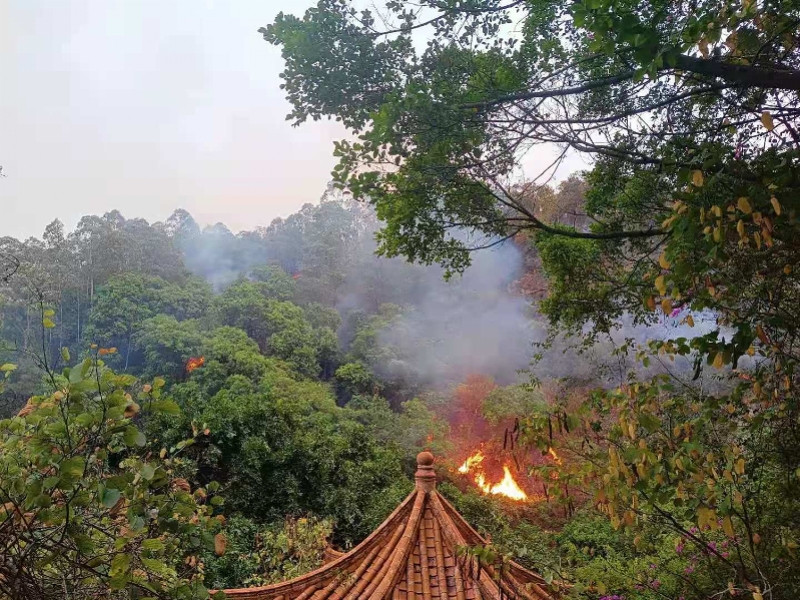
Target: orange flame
{"points": [[194, 363], [472, 461], [507, 486]]}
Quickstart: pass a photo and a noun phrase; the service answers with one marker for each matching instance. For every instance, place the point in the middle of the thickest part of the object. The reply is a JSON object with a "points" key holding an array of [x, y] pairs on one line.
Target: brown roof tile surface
{"points": [[413, 554]]}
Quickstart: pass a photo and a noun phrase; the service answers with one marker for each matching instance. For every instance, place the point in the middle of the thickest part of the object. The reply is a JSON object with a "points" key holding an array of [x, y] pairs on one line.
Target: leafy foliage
{"points": [[84, 509]]}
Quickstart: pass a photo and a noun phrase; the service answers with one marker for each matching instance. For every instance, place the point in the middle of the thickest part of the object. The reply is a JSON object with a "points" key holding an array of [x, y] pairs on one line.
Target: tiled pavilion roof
{"points": [[413, 554]]}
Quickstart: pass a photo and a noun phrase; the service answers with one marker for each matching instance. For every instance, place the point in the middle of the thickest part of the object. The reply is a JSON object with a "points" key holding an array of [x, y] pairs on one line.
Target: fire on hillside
{"points": [[507, 486]]}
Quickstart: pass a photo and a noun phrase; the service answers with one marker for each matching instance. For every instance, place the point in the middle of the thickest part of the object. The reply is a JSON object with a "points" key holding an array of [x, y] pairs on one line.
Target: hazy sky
{"points": [[147, 106]]}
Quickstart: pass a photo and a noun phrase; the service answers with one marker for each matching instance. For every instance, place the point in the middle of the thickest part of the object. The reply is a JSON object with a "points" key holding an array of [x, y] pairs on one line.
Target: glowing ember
{"points": [[506, 487], [194, 363]]}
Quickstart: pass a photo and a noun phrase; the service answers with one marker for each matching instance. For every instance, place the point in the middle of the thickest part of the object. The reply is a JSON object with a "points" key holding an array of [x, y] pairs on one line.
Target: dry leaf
{"points": [[766, 120], [219, 544], [131, 410]]}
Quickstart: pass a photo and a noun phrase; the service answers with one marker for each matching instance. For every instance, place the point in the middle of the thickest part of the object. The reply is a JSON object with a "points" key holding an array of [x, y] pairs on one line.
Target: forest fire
{"points": [[195, 363], [507, 486]]}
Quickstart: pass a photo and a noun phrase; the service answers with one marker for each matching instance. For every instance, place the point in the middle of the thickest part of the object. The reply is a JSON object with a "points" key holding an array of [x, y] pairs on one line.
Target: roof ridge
{"points": [[415, 554]]}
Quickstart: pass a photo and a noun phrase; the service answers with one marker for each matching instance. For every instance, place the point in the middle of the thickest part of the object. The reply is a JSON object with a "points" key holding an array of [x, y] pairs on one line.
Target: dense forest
{"points": [[605, 363]]}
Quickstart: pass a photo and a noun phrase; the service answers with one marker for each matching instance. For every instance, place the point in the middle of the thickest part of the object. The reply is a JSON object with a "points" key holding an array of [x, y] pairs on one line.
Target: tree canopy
{"points": [[687, 112]]}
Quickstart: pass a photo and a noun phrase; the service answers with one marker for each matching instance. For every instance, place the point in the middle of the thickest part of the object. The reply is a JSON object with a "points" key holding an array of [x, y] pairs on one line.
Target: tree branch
{"points": [[760, 77]]}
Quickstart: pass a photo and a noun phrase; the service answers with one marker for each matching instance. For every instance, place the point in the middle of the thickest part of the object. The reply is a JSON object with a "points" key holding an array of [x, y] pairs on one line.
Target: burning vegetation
{"points": [[506, 487]]}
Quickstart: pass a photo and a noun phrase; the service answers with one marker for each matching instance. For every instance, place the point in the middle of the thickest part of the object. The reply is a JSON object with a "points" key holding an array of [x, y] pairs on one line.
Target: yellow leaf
{"points": [[766, 120], [666, 306], [660, 285], [776, 205], [761, 335], [787, 269], [744, 205], [757, 596], [651, 303], [697, 178], [717, 234], [662, 260], [739, 466], [757, 238], [740, 228], [719, 361], [690, 321], [727, 527]]}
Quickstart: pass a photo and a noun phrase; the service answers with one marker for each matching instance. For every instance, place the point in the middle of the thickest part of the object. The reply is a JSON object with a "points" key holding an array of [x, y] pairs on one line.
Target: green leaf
{"points": [[73, 466], [137, 523], [42, 501], [153, 545], [134, 437], [110, 497], [147, 472], [120, 564], [168, 407], [7, 368]]}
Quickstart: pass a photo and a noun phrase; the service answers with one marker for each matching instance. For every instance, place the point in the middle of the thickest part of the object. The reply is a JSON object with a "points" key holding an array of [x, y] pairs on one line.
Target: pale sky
{"points": [[146, 106]]}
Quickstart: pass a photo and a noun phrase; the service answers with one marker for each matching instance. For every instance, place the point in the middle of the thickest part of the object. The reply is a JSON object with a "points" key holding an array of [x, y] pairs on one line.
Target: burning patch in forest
{"points": [[506, 487], [195, 363]]}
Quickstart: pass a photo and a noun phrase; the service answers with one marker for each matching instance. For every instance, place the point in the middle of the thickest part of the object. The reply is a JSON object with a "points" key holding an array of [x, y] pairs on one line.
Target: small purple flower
{"points": [[688, 570], [679, 548], [652, 566]]}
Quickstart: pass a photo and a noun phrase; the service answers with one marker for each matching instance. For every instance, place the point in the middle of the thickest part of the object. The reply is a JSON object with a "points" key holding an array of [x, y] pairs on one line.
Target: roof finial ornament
{"points": [[425, 477]]}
